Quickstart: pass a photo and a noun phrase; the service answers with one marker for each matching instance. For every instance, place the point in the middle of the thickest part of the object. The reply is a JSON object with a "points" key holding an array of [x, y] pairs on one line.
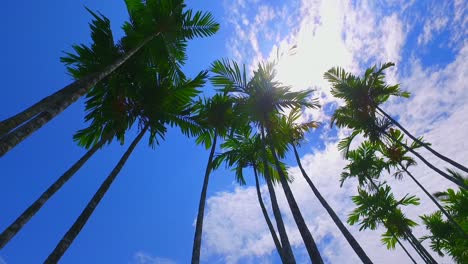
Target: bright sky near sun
{"points": [[148, 215]]}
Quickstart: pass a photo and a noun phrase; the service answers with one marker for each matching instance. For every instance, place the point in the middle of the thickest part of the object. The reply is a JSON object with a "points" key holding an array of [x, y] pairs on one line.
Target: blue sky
{"points": [[148, 214]]}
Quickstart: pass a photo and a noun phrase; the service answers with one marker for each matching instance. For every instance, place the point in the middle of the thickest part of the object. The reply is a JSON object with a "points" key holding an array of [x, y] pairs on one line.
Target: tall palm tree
{"points": [[261, 98], [110, 114], [215, 115], [293, 133], [241, 151], [370, 92], [362, 98], [366, 166], [157, 101], [397, 159], [157, 33], [231, 79]]}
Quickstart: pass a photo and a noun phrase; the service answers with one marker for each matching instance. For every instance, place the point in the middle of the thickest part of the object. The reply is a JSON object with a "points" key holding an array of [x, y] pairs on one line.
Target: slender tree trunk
{"points": [[11, 123], [445, 175], [418, 247], [449, 217], [16, 226], [55, 104], [287, 250], [267, 218], [309, 242], [73, 232], [349, 237], [201, 206], [426, 146], [404, 248]]}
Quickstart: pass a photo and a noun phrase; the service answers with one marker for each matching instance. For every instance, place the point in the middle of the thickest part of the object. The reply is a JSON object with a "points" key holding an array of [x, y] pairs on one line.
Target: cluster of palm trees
{"points": [[385, 149], [253, 119]]}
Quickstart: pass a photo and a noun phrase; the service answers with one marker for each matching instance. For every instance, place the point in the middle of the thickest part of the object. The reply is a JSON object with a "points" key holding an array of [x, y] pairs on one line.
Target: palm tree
{"points": [[157, 33], [231, 79], [396, 158], [380, 206], [362, 98], [215, 115], [261, 98], [110, 113], [293, 133], [157, 100], [241, 151]]}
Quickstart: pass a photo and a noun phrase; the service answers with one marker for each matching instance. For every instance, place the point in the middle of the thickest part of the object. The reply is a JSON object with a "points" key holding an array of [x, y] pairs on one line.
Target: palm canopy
{"points": [[381, 207], [154, 99], [261, 97], [171, 25], [364, 164], [287, 131], [243, 150], [216, 116], [167, 21], [365, 92], [361, 95], [396, 155]]}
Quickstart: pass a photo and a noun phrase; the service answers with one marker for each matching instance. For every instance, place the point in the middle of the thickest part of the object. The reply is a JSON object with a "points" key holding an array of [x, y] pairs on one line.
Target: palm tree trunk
{"points": [[286, 246], [287, 250], [267, 218], [404, 248], [449, 217], [49, 108], [418, 247], [349, 237], [445, 175], [73, 232], [18, 224], [201, 206], [426, 146], [11, 123], [309, 242]]}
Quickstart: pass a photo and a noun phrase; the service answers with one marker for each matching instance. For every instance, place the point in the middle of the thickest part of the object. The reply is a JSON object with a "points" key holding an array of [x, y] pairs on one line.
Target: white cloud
{"points": [[435, 93], [432, 27], [142, 257]]}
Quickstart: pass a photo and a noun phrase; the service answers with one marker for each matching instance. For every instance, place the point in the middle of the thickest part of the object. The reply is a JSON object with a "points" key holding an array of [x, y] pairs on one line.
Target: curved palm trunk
{"points": [[309, 242], [349, 237], [437, 154], [445, 175], [201, 206], [55, 104], [287, 250], [16, 226], [267, 218], [404, 248], [449, 217], [75, 229]]}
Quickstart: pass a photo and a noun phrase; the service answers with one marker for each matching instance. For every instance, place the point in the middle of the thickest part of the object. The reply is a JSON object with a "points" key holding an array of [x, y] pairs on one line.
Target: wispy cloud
{"points": [[142, 257]]}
